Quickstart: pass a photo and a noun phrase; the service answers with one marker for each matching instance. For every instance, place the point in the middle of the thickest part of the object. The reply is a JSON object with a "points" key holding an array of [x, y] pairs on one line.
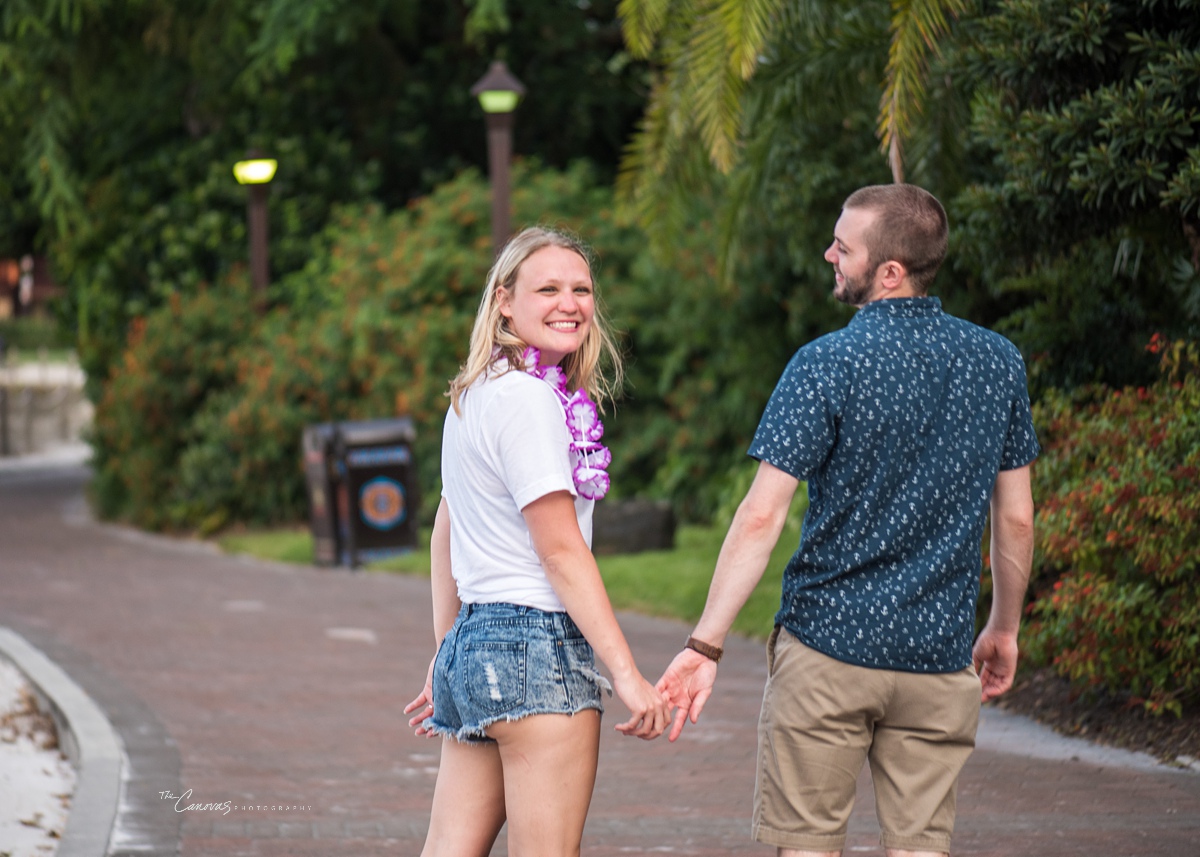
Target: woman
{"points": [[518, 604]]}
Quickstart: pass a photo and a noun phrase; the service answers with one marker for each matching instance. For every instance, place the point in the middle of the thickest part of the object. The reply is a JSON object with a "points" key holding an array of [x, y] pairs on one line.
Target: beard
{"points": [[853, 290]]}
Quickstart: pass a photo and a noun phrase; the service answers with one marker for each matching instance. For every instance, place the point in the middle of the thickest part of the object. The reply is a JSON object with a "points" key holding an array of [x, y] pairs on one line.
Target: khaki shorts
{"points": [[822, 718]]}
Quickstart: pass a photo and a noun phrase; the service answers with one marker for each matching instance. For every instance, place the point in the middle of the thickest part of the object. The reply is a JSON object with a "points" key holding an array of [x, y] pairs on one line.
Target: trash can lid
{"points": [[376, 432]]}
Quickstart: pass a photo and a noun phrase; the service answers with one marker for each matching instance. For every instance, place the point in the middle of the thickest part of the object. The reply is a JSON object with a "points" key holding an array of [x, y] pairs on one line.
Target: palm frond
{"points": [[716, 89], [747, 26], [47, 161], [708, 49], [916, 28], [642, 22]]}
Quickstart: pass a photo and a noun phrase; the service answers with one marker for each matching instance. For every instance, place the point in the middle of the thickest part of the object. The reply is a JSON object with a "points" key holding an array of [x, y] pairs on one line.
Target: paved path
{"points": [[279, 689]]}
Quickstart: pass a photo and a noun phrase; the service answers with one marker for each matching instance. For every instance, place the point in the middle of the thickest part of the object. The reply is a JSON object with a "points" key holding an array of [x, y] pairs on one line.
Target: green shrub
{"points": [[31, 333], [200, 426], [377, 324], [1116, 588], [177, 358]]}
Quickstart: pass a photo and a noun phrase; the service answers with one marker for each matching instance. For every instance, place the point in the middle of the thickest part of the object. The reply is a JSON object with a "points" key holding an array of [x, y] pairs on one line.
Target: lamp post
{"points": [[498, 92], [256, 172]]}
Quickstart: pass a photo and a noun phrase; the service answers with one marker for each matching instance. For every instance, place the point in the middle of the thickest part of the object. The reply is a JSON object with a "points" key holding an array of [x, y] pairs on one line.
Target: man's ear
{"points": [[891, 275]]}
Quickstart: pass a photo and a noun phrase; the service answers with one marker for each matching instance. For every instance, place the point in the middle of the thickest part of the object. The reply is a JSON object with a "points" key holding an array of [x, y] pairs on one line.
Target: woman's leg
{"points": [[468, 801], [549, 763]]}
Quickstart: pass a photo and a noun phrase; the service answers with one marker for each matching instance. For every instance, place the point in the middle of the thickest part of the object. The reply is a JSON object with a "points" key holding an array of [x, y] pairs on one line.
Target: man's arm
{"points": [[995, 653], [689, 679]]}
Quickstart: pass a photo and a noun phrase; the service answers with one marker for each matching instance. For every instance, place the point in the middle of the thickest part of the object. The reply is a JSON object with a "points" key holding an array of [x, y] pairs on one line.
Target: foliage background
{"points": [[706, 170], [1116, 598], [122, 119], [201, 425]]}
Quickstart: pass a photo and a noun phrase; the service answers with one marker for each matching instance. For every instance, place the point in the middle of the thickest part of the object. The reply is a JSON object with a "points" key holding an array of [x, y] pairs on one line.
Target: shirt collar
{"points": [[925, 307]]}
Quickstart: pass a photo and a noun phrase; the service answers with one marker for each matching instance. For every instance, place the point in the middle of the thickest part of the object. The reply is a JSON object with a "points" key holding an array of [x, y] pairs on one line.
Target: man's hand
{"points": [[995, 657], [687, 684]]}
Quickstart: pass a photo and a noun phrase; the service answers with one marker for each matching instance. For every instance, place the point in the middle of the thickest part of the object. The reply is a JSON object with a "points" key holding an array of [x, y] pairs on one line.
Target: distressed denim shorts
{"points": [[508, 661]]}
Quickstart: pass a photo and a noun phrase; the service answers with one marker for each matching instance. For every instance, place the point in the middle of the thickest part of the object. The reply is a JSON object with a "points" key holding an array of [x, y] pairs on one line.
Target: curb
{"points": [[88, 740]]}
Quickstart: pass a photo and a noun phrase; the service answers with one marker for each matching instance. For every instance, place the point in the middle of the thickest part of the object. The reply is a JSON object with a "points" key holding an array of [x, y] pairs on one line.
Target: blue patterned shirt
{"points": [[899, 422]]}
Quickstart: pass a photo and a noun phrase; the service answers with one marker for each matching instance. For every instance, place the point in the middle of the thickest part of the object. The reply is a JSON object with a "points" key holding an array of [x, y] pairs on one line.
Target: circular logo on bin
{"points": [[381, 503]]}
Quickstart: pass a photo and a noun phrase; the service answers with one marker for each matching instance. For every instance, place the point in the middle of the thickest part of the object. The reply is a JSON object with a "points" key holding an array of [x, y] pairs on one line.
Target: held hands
{"points": [[687, 684], [423, 704], [650, 710], [995, 658]]}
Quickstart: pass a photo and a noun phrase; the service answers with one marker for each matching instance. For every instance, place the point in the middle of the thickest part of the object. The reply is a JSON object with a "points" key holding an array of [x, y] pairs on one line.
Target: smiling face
{"points": [[551, 303], [854, 280]]}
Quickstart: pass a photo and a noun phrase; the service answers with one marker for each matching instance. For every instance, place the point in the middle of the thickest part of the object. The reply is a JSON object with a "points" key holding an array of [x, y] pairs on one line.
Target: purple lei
{"points": [[589, 457]]}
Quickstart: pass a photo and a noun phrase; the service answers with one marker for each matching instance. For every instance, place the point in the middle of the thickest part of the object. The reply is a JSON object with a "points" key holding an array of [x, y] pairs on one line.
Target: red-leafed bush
{"points": [[1116, 589]]}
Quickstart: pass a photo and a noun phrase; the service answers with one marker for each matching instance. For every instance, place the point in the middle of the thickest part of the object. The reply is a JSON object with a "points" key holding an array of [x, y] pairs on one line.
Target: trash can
{"points": [[361, 489], [319, 476], [376, 489]]}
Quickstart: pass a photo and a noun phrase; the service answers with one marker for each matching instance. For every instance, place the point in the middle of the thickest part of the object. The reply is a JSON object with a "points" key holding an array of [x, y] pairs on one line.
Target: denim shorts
{"points": [[508, 661]]}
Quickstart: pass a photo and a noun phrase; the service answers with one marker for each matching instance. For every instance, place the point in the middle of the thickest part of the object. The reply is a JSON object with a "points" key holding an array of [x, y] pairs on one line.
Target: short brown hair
{"points": [[910, 228]]}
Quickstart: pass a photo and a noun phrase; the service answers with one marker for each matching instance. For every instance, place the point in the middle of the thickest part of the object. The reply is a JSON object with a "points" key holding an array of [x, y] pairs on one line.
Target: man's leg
{"points": [[921, 744], [891, 852], [813, 737]]}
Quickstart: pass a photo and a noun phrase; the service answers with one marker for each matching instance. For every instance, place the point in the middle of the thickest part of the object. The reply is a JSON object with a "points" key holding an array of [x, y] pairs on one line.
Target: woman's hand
{"points": [[423, 704], [650, 711]]}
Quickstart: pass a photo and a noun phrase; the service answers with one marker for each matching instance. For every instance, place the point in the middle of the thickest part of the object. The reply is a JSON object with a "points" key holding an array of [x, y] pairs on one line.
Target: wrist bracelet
{"points": [[713, 653]]}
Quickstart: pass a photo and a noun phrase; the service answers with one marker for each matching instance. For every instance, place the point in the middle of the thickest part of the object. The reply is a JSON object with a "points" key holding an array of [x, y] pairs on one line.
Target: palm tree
{"points": [[709, 50]]}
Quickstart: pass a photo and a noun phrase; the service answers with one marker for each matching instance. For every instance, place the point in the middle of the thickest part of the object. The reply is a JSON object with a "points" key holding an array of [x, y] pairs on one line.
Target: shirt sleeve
{"points": [[798, 428], [1020, 444], [531, 443]]}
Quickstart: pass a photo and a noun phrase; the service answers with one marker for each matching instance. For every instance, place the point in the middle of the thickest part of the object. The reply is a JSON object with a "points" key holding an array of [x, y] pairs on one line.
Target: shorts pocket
{"points": [[495, 675]]}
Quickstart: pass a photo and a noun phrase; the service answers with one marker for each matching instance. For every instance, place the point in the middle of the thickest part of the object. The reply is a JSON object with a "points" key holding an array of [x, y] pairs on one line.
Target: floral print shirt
{"points": [[900, 423]]}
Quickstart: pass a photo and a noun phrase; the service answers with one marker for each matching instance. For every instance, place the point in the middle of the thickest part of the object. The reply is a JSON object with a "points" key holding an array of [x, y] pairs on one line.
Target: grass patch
{"points": [[672, 584], [295, 545], [291, 545]]}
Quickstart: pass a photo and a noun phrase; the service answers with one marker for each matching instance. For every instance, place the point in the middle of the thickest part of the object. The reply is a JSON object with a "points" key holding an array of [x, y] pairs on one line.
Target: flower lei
{"points": [[589, 457]]}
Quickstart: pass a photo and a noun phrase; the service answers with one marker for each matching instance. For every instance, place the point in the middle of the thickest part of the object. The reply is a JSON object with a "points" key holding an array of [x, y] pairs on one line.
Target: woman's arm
{"points": [[572, 572], [445, 591], [446, 605]]}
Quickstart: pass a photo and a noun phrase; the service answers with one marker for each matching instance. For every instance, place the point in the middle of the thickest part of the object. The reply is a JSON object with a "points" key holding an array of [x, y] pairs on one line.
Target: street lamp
{"points": [[256, 172], [498, 92]]}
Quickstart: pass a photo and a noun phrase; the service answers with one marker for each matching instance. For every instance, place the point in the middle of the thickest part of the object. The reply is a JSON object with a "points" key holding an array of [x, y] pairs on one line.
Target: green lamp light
{"points": [[498, 91], [255, 170]]}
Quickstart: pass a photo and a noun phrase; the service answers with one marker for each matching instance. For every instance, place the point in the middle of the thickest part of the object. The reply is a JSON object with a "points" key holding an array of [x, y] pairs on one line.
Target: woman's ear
{"points": [[503, 301]]}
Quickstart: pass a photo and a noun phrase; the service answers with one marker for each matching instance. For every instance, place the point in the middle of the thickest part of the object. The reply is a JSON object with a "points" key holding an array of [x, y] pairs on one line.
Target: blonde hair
{"points": [[492, 338]]}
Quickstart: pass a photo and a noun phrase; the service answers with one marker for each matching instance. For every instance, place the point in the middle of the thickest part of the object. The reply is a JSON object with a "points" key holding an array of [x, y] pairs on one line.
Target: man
{"points": [[906, 424]]}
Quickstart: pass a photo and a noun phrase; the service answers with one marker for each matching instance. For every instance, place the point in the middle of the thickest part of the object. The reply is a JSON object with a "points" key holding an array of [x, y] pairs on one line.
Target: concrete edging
{"points": [[88, 740]]}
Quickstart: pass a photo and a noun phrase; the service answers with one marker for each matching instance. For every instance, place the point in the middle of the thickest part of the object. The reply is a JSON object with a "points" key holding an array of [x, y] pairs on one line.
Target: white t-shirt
{"points": [[510, 447]]}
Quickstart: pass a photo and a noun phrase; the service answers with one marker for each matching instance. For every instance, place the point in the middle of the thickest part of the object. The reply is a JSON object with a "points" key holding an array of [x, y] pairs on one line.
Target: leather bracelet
{"points": [[713, 653]]}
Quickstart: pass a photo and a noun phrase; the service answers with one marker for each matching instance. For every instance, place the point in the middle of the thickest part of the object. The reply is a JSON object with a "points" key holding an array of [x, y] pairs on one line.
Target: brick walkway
{"points": [[279, 689]]}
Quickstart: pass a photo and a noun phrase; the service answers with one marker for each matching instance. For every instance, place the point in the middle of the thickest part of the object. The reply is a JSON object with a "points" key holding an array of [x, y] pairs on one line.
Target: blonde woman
{"points": [[519, 609]]}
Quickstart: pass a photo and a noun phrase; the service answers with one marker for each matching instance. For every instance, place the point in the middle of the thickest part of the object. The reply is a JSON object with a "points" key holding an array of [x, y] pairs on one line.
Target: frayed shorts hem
{"points": [[477, 733], [503, 662]]}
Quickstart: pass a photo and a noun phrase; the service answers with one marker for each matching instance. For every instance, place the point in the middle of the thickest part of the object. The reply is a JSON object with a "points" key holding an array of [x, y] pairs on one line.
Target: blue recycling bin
{"points": [[363, 502]]}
